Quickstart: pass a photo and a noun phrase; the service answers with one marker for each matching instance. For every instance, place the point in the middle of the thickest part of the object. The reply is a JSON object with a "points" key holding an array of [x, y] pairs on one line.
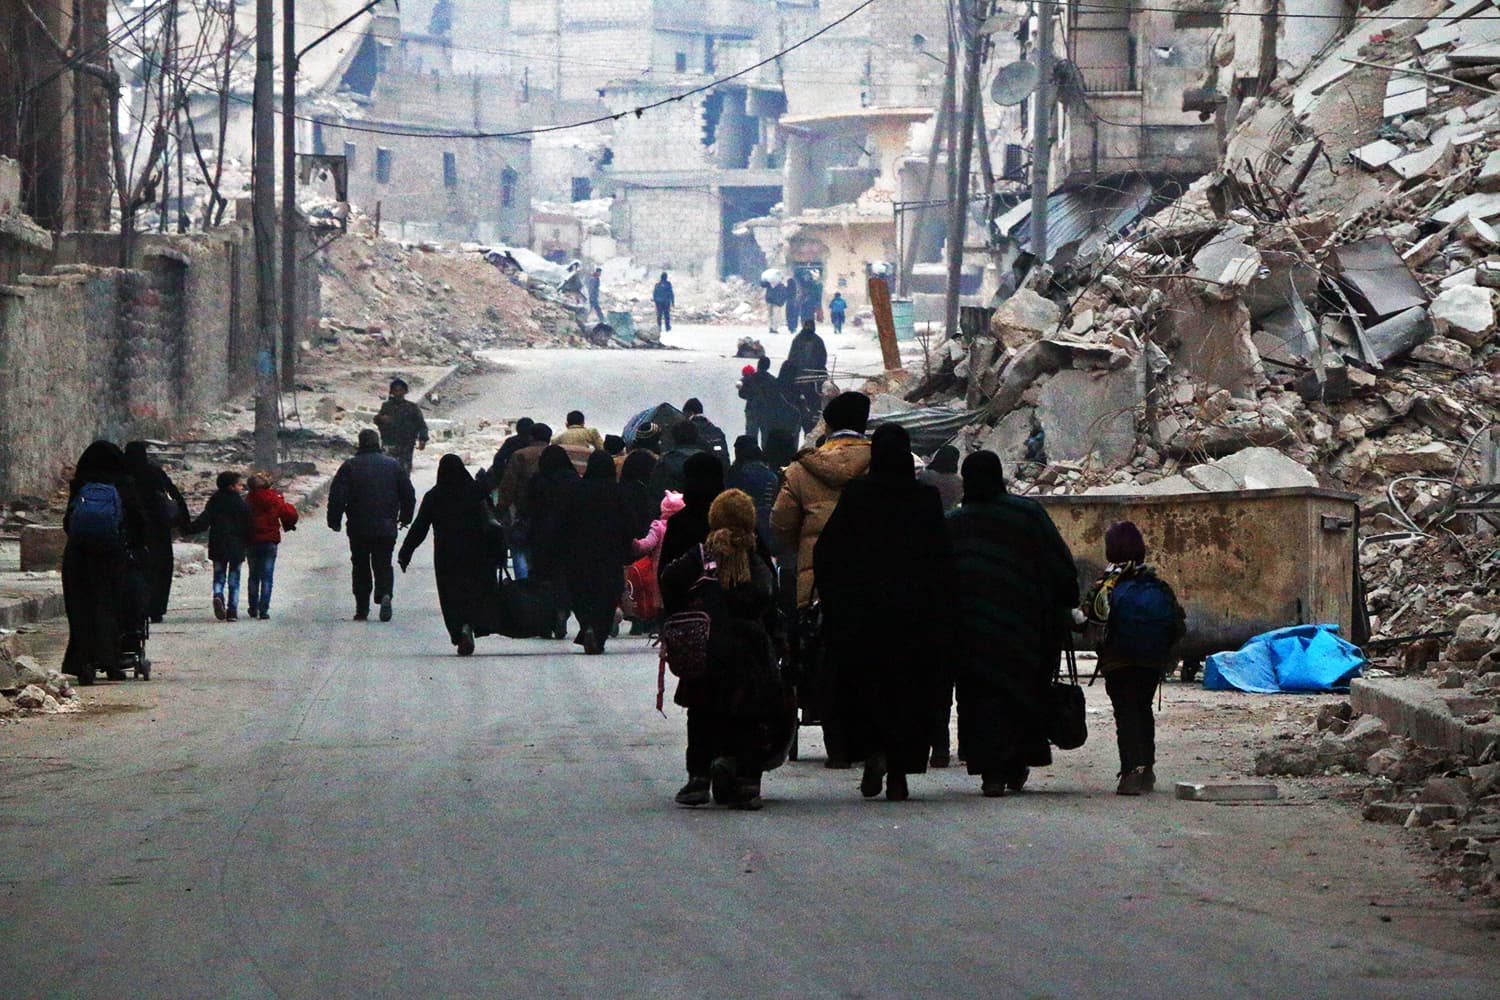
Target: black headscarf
{"points": [[452, 476], [136, 456], [101, 462], [554, 461], [637, 467], [702, 477], [984, 477], [890, 455], [600, 466]]}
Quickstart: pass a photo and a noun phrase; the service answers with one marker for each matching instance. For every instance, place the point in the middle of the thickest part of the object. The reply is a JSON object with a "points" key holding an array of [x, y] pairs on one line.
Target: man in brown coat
{"points": [[814, 482], [512, 491]]}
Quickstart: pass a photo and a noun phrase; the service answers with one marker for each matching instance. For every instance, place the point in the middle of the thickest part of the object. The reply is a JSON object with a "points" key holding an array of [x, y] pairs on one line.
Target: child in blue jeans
{"points": [[226, 518], [270, 514]]}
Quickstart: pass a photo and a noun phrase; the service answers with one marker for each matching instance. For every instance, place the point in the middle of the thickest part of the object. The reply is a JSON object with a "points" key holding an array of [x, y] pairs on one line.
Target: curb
{"points": [[28, 610], [442, 380], [1420, 711]]}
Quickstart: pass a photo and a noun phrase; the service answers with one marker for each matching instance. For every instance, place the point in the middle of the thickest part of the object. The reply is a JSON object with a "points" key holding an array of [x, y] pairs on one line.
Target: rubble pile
{"points": [[1320, 312], [27, 689], [1453, 799], [426, 304], [698, 300]]}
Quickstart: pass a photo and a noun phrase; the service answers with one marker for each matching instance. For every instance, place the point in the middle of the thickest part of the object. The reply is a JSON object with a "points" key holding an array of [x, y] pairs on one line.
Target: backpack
{"points": [[686, 635], [1143, 618], [642, 597], [96, 513]]}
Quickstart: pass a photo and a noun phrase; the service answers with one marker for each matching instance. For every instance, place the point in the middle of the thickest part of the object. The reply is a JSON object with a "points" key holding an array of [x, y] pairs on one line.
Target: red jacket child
{"points": [[269, 512]]}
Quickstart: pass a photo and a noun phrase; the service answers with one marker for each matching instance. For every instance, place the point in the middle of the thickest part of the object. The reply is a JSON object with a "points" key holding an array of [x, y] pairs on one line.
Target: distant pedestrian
{"points": [[792, 303], [806, 368], [226, 518], [836, 309], [463, 555], [163, 505], [751, 475], [512, 497], [373, 493], [104, 560], [591, 283], [775, 300], [757, 385], [884, 576], [733, 710], [270, 515], [942, 472], [664, 299], [401, 424], [1015, 584], [1141, 622]]}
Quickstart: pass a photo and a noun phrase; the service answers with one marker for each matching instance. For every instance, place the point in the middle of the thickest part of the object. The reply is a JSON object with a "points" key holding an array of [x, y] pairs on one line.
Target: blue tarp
{"points": [[1303, 658]]}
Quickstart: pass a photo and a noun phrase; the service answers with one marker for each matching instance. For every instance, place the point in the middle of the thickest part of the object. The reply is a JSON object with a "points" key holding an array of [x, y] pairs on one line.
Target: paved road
{"points": [[313, 807]]}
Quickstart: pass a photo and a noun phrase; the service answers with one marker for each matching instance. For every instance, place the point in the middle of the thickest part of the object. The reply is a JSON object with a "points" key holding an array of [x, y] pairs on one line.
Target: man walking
{"points": [[513, 493], [591, 284], [664, 299], [374, 493], [401, 425]]}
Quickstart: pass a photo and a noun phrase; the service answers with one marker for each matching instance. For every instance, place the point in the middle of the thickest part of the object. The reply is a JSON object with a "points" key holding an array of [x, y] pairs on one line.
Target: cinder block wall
{"points": [[672, 228]]}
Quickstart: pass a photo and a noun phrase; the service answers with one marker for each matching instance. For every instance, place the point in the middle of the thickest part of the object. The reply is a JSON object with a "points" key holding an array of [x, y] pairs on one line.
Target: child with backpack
{"points": [[226, 518], [1141, 622], [270, 514]]}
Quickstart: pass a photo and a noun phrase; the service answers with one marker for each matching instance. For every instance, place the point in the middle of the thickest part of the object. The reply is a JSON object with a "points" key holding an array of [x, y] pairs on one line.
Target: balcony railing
{"points": [[1108, 79]]}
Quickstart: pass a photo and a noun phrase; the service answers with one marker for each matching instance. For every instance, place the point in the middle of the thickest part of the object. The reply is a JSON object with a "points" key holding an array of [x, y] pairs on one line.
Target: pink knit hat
{"points": [[670, 504]]}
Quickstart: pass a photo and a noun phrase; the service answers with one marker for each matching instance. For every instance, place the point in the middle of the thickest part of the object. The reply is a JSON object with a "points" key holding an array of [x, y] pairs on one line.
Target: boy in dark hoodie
{"points": [[226, 518]]}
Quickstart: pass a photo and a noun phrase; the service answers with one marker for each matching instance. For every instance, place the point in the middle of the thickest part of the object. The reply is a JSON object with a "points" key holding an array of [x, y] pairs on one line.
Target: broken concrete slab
{"points": [[1445, 351], [1465, 313], [1008, 437], [1489, 174], [1226, 791], [1227, 259], [1376, 279], [1482, 205], [1215, 342], [1374, 155], [1409, 103], [1024, 318], [1250, 469], [1085, 415], [1432, 159]]}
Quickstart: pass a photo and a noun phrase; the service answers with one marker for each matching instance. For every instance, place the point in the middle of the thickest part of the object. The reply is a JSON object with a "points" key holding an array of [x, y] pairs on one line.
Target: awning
{"points": [[1079, 220]]}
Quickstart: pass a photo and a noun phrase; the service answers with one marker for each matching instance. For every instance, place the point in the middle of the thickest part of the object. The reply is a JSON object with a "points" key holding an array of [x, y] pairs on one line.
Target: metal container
{"points": [[1240, 562]]}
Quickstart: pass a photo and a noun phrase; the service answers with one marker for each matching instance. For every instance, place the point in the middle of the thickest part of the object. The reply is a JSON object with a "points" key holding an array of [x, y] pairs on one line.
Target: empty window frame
{"points": [[382, 164], [450, 170]]}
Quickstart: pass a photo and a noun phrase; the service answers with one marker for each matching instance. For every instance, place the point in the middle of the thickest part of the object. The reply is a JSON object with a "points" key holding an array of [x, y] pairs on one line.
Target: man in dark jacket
{"points": [[402, 427], [591, 284], [806, 368], [375, 494], [668, 474], [710, 436], [756, 386], [751, 474], [520, 439], [512, 494], [664, 299]]}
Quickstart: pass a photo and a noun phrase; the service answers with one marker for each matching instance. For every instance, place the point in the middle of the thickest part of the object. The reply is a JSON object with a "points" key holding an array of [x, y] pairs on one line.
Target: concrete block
{"points": [[1229, 791], [1087, 417], [42, 547], [1395, 813]]}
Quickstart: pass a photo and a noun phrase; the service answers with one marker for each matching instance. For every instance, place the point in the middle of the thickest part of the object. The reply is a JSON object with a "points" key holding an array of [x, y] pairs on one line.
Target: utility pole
{"points": [[958, 217], [263, 210], [1041, 135], [289, 61]]}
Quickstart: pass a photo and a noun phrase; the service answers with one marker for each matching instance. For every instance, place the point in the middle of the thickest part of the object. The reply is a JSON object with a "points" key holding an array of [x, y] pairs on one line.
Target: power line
{"points": [[520, 133]]}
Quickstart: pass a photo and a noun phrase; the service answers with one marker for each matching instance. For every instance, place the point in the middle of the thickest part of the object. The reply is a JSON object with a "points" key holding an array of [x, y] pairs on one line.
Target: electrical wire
{"points": [[515, 133]]}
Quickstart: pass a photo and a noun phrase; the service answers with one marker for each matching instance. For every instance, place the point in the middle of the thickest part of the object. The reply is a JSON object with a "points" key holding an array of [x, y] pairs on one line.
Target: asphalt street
{"points": [[316, 807]]}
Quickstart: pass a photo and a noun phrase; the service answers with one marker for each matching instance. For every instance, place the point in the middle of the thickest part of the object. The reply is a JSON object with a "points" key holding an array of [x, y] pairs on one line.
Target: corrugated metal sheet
{"points": [[1080, 219], [930, 427]]}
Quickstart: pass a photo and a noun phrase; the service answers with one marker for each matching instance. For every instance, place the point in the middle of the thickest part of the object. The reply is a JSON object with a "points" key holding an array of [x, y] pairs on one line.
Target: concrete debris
{"points": [[27, 689], [1466, 313], [1023, 318]]}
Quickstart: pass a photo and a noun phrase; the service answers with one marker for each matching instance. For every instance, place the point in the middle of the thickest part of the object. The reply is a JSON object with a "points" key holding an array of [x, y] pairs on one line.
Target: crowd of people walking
{"points": [[831, 584]]}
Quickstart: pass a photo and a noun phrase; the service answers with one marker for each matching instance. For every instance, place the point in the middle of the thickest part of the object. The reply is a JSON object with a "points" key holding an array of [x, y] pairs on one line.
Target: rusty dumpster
{"points": [[1241, 562]]}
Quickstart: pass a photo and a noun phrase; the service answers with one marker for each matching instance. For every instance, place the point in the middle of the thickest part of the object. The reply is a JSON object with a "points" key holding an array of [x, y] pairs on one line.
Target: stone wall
{"points": [[92, 351], [672, 228]]}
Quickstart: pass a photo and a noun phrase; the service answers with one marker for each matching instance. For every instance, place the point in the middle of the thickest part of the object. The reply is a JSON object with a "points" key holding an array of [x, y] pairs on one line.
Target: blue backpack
{"points": [[1143, 619], [96, 513]]}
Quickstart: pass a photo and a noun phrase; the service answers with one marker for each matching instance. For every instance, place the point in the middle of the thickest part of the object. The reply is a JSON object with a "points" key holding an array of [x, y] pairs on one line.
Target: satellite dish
{"points": [[1014, 83]]}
